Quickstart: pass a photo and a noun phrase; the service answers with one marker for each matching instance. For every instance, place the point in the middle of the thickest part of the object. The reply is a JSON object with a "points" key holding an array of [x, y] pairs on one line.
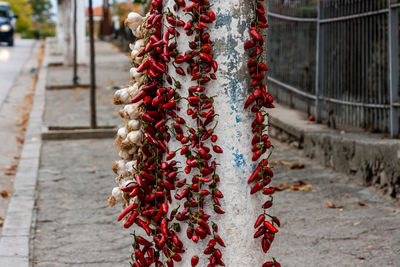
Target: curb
{"points": [[372, 159], [78, 134], [16, 234]]}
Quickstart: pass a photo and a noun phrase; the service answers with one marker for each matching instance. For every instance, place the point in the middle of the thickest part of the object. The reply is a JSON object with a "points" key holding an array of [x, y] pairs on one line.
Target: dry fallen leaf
{"points": [[297, 165], [281, 187], [5, 194], [11, 168], [362, 204], [356, 223], [300, 185], [17, 157], [333, 206], [20, 139], [294, 165], [346, 195], [1, 221]]}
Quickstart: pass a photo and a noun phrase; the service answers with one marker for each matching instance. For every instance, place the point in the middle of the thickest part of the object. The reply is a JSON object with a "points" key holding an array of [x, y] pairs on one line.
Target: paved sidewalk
{"points": [[74, 225], [75, 228], [70, 108]]}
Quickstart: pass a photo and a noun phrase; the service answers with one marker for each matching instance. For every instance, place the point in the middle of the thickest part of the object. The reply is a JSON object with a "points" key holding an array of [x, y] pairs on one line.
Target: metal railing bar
{"points": [[394, 5], [291, 88], [297, 19], [357, 104], [355, 16], [328, 99]]}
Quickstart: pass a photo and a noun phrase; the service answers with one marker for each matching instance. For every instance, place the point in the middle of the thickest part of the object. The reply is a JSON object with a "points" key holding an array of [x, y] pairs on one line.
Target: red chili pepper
{"points": [[257, 187], [218, 210], [131, 219], [259, 232], [249, 44], [219, 239], [276, 220], [270, 227], [139, 97], [265, 244], [256, 155], [255, 34], [134, 192], [127, 210], [269, 190], [249, 100], [180, 71], [190, 7], [194, 261], [259, 220], [268, 264], [217, 149]]}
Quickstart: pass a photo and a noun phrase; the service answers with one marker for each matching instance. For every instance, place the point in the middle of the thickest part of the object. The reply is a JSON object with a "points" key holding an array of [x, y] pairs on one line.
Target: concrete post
{"points": [[60, 24], [80, 33], [65, 23], [231, 89]]}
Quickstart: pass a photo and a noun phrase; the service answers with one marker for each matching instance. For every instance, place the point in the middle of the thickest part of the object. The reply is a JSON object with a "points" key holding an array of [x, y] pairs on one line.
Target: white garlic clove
{"points": [[122, 132]]}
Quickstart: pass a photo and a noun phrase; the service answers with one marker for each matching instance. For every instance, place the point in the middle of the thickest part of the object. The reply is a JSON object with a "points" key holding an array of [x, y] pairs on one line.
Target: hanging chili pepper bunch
{"points": [[145, 185], [202, 67], [259, 99]]}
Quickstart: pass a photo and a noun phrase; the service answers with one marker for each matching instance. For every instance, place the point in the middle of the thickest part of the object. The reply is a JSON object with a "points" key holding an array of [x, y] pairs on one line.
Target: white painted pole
{"points": [[81, 33], [231, 89]]}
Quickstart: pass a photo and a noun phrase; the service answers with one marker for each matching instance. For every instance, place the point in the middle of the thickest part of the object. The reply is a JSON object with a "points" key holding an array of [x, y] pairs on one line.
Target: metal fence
{"points": [[338, 60]]}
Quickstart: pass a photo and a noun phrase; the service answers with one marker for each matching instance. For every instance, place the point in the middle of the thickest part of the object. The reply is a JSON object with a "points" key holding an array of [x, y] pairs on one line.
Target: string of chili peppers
{"points": [[265, 224], [150, 180], [194, 147]]}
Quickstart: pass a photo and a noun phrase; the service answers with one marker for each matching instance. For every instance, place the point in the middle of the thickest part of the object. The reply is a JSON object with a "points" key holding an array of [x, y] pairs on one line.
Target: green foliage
{"points": [[41, 10], [24, 10]]}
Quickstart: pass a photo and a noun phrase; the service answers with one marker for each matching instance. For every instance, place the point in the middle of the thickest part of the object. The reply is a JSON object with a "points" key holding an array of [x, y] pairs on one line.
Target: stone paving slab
{"points": [[73, 220], [112, 72], [77, 112]]}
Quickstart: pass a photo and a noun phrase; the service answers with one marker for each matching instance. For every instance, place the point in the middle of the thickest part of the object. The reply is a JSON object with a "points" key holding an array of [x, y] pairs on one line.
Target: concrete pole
{"points": [[68, 30], [60, 24], [231, 89], [82, 57]]}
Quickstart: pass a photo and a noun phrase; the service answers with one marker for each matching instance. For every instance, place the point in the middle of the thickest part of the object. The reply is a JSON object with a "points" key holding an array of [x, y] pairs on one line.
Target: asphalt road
{"points": [[12, 60]]}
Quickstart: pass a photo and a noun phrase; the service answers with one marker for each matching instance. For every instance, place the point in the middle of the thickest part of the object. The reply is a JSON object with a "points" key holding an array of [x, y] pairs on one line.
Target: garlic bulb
{"points": [[135, 137], [122, 132], [133, 21], [130, 165], [133, 125], [123, 154], [117, 194], [134, 74], [139, 44], [131, 111], [121, 96], [119, 167]]}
